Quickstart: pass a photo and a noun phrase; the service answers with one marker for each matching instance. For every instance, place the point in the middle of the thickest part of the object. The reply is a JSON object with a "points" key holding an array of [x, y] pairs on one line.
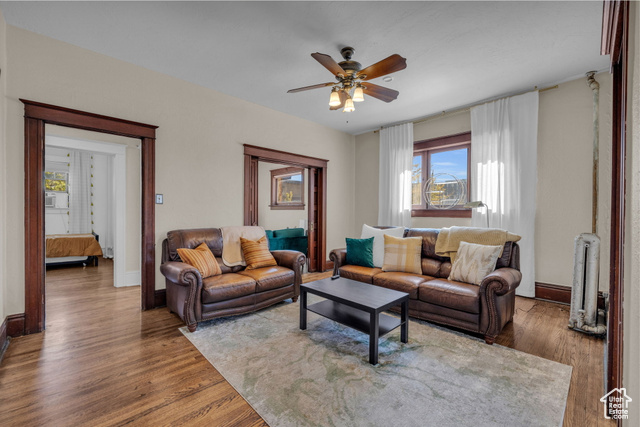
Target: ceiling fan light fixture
{"points": [[334, 100], [358, 94], [348, 106]]}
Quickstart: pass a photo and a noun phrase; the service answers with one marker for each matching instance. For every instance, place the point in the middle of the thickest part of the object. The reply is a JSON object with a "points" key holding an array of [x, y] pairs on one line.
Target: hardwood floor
{"points": [[101, 361]]}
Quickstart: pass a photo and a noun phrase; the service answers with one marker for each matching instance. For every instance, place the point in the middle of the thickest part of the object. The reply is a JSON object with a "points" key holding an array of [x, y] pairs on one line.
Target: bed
{"points": [[66, 249]]}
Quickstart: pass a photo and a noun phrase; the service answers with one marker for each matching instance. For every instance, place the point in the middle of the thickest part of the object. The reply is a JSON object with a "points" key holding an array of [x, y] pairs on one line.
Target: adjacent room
{"points": [[319, 213]]}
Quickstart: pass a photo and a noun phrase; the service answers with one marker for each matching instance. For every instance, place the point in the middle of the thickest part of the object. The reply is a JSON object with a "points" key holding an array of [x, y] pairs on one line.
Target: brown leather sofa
{"points": [[483, 309], [235, 291]]}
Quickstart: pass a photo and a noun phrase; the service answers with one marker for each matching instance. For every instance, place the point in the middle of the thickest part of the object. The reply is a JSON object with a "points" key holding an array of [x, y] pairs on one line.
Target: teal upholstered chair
{"points": [[288, 238]]}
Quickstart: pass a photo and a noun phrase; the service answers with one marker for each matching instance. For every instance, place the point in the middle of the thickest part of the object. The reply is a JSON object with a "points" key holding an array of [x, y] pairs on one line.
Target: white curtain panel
{"points": [[80, 193], [396, 154], [504, 141], [106, 241]]}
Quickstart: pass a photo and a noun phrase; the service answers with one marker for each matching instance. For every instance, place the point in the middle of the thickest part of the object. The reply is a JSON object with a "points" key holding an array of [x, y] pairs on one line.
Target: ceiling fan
{"points": [[351, 77]]}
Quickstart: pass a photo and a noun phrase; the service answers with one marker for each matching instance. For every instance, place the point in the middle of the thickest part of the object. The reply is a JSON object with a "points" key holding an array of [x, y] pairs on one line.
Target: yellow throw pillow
{"points": [[402, 254], [201, 258], [474, 262], [256, 253]]}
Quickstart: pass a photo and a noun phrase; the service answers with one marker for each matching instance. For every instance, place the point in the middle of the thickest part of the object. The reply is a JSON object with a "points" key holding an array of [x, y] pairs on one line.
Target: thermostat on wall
{"points": [[158, 199]]}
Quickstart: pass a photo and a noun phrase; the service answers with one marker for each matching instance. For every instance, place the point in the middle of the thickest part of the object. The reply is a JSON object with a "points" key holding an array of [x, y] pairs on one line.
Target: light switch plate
{"points": [[159, 199]]}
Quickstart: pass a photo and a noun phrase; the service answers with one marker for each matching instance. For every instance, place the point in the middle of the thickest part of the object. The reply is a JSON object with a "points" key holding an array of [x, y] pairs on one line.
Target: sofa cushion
{"points": [[448, 293], [270, 277], [202, 259], [378, 240], [403, 282], [361, 274], [474, 262], [431, 267], [360, 252], [402, 254], [227, 286], [289, 232], [256, 253]]}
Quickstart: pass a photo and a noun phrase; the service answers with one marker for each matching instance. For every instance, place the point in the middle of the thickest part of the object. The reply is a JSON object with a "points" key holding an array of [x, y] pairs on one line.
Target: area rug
{"points": [[321, 376]]}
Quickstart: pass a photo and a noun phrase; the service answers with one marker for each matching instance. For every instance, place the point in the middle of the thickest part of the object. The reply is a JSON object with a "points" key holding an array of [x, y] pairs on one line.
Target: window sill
{"points": [[287, 207], [441, 213]]}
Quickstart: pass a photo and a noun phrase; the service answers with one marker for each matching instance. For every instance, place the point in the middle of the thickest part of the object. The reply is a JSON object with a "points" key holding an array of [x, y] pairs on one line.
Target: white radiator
{"points": [[584, 294]]}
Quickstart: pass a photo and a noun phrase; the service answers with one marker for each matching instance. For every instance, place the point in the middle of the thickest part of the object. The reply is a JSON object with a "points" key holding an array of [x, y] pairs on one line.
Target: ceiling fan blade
{"points": [[382, 93], [387, 66], [329, 63], [343, 99], [301, 89]]}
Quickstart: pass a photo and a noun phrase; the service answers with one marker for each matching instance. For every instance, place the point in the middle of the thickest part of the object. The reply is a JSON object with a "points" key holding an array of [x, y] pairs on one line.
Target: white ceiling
{"points": [[458, 53]]}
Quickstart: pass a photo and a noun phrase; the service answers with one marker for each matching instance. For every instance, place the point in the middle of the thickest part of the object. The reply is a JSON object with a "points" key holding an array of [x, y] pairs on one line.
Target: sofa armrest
{"points": [[181, 273], [339, 258], [295, 261], [501, 281]]}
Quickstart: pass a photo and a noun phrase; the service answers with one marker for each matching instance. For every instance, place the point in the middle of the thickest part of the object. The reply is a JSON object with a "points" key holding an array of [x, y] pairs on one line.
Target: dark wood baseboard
{"points": [[3, 338], [160, 298], [560, 293], [12, 326], [16, 324]]}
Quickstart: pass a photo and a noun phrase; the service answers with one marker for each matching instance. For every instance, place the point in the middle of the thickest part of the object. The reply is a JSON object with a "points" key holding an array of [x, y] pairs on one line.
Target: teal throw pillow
{"points": [[360, 252], [269, 234]]}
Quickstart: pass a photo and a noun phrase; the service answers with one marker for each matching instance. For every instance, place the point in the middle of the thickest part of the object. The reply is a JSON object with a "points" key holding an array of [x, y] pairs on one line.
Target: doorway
{"points": [[36, 116], [317, 195]]}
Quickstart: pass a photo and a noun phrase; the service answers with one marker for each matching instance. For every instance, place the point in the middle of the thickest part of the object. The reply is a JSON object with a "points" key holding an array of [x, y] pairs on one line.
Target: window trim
{"points": [[436, 145], [283, 172]]}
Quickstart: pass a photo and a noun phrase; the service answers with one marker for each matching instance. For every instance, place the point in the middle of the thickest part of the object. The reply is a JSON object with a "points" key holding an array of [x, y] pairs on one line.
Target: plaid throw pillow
{"points": [[201, 258], [402, 254], [256, 253]]}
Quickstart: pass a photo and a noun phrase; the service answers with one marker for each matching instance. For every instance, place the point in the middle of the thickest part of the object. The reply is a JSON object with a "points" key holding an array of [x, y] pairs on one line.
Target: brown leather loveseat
{"points": [[483, 309], [235, 291]]}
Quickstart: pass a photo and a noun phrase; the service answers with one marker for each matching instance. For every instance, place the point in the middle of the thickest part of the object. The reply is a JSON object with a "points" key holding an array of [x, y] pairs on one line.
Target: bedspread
{"points": [[61, 245]]}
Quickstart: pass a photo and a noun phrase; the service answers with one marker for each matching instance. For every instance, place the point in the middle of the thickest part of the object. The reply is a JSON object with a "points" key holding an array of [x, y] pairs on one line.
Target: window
{"points": [[287, 188], [56, 187], [440, 176]]}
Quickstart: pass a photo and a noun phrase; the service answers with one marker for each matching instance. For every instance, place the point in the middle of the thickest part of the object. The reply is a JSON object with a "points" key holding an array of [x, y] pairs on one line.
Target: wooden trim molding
{"points": [[36, 116], [12, 326], [615, 37], [284, 157], [442, 213], [560, 294], [550, 292], [317, 205], [160, 298]]}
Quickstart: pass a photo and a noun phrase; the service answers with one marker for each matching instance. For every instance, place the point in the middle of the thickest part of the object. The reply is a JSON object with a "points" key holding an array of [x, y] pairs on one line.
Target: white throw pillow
{"points": [[378, 240], [474, 262]]}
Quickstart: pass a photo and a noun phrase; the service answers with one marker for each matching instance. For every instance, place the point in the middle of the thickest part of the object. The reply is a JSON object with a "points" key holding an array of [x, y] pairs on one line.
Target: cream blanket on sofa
{"points": [[231, 248], [449, 239]]}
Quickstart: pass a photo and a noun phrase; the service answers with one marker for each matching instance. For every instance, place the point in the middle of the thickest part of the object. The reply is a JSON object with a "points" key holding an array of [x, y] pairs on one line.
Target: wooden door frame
{"points": [[615, 40], [36, 116], [252, 155]]}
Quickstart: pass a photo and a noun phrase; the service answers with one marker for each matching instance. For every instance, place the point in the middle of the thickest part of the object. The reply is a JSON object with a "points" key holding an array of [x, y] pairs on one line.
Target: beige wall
{"points": [[3, 166], [199, 152], [133, 214], [275, 219], [565, 151], [631, 341]]}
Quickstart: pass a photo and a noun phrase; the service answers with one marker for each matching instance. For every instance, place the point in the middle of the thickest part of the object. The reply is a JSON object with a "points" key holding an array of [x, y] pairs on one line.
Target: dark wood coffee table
{"points": [[359, 306]]}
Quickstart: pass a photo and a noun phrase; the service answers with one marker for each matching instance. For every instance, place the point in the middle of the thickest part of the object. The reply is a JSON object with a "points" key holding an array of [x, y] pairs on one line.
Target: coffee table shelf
{"points": [[359, 306], [352, 317]]}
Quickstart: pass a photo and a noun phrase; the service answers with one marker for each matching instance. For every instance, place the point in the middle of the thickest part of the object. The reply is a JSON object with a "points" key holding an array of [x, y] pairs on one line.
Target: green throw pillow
{"points": [[360, 252]]}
